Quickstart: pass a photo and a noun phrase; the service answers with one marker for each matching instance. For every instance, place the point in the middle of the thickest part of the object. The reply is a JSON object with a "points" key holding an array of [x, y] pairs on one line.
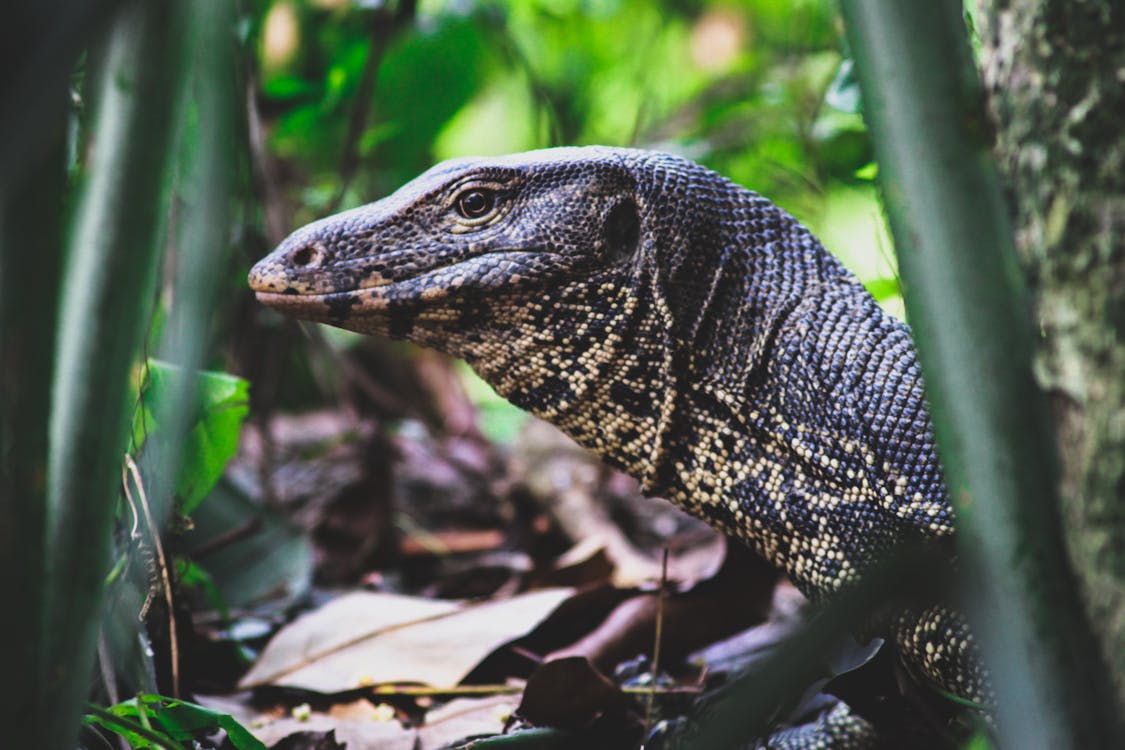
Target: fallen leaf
{"points": [[361, 726], [368, 638], [355, 734], [570, 694], [736, 597], [466, 717], [456, 541]]}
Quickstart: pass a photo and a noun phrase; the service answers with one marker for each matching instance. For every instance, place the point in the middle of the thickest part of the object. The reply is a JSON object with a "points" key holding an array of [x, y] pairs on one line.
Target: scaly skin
{"points": [[684, 328]]}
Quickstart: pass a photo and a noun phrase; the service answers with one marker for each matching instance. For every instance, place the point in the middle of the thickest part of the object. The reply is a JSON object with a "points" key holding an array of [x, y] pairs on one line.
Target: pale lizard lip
{"points": [[431, 285]]}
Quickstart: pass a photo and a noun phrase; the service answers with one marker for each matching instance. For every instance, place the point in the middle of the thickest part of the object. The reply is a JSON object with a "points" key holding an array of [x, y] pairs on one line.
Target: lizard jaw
{"points": [[368, 308]]}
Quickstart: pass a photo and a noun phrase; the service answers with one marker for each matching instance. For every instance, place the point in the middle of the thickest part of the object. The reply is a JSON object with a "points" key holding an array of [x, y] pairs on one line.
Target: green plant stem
{"points": [[203, 236], [205, 172], [39, 43], [967, 302], [106, 292], [30, 259], [145, 732]]}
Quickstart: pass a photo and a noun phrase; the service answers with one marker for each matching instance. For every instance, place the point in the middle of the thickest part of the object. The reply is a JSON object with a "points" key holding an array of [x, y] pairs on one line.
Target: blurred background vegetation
{"points": [[152, 150], [758, 90], [267, 115]]}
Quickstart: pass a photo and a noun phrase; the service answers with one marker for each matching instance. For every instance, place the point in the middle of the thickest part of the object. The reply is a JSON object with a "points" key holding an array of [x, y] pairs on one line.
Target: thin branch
{"points": [[263, 168], [384, 26], [658, 637], [540, 92], [162, 566], [227, 538]]}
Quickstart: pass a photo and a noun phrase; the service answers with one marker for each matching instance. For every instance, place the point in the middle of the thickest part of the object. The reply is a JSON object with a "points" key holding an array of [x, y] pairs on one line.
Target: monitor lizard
{"points": [[684, 328]]}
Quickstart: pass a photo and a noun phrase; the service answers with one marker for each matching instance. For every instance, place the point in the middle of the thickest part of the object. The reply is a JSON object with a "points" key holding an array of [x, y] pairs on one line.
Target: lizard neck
{"points": [[615, 364]]}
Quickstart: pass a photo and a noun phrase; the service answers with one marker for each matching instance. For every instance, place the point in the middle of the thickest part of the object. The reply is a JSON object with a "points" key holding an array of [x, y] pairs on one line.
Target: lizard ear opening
{"points": [[622, 230]]}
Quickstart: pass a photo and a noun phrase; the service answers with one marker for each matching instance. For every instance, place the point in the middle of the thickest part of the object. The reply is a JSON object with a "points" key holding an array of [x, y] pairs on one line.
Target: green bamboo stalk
{"points": [[39, 43], [30, 260], [106, 294], [202, 231], [203, 243], [969, 308]]}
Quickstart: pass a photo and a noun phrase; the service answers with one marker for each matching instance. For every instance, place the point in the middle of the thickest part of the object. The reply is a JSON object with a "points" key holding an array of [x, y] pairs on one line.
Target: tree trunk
{"points": [[1054, 71]]}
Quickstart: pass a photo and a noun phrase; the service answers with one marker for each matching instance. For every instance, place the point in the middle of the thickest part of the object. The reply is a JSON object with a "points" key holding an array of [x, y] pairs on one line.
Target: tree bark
{"points": [[1054, 71]]}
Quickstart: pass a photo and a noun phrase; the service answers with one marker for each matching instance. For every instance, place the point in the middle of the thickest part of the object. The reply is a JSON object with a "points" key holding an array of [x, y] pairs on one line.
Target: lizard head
{"points": [[468, 245], [539, 269]]}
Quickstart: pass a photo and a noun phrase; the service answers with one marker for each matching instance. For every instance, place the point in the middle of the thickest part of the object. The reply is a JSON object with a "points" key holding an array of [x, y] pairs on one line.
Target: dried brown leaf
{"points": [[368, 638]]}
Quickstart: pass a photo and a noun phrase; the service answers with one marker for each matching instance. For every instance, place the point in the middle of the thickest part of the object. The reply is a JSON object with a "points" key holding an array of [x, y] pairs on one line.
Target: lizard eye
{"points": [[475, 203]]}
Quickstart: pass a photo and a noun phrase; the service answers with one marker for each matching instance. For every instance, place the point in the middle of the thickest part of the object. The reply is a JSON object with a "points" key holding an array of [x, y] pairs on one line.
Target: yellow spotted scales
{"points": [[682, 327]]}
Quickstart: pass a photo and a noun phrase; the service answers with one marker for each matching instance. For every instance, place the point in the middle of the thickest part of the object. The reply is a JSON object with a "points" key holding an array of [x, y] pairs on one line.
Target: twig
{"points": [[540, 93], [416, 691], [109, 679], [165, 576], [263, 169], [384, 25], [659, 637], [262, 166], [382, 398], [224, 540]]}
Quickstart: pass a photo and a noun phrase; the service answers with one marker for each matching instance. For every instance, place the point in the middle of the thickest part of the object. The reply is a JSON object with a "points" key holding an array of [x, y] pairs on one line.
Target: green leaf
{"points": [[979, 741], [868, 171], [222, 403], [191, 575], [288, 87], [882, 289], [275, 562], [225, 402], [132, 722], [146, 718]]}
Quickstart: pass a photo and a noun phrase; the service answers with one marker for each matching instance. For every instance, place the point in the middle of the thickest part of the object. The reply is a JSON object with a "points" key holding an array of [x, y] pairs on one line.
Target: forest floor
{"points": [[418, 589]]}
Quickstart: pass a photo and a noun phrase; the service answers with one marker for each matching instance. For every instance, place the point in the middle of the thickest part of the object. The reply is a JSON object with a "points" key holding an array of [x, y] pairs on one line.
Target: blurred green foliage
{"points": [[355, 97], [752, 88], [223, 402]]}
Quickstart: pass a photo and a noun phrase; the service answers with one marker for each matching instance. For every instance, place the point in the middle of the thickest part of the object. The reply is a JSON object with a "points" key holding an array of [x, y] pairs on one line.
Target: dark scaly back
{"points": [[686, 329]]}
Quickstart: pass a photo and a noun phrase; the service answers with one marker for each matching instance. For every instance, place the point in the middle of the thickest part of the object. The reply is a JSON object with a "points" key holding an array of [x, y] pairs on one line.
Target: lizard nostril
{"points": [[307, 255]]}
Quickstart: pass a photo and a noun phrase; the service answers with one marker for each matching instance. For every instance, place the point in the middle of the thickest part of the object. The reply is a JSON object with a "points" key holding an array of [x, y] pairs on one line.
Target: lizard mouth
{"points": [[376, 295]]}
